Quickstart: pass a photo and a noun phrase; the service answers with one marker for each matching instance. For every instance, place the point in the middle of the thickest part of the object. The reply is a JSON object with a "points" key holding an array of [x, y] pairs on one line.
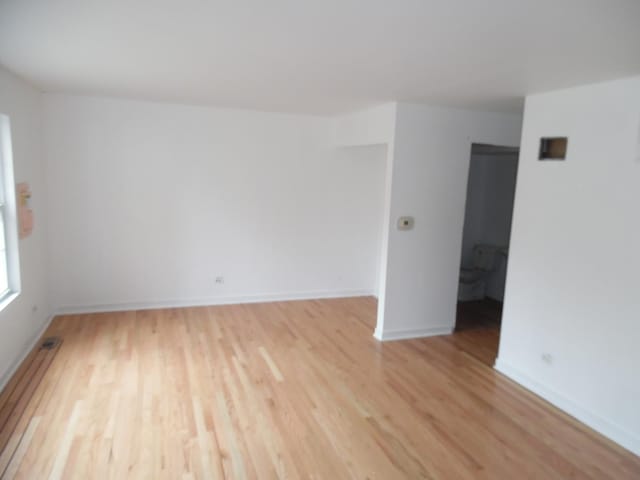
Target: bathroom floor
{"points": [[478, 329]]}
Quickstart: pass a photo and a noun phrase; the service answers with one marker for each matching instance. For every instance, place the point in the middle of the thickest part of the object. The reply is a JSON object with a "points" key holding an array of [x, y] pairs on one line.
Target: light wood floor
{"points": [[289, 390]]}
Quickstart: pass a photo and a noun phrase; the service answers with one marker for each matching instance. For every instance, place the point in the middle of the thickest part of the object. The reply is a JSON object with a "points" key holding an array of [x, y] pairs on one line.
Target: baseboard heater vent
{"points": [[20, 399]]}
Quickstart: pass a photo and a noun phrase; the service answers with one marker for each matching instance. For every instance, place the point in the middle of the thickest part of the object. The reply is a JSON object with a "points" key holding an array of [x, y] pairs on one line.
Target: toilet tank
{"points": [[484, 257]]}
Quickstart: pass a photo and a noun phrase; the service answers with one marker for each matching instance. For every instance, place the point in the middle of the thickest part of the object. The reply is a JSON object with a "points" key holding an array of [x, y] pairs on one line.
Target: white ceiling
{"points": [[322, 56]]}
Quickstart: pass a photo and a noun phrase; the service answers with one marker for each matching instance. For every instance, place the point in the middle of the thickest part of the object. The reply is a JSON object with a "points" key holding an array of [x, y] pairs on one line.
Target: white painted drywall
{"points": [[150, 202], [23, 319], [373, 126], [370, 166], [572, 284], [365, 127], [488, 212], [430, 164]]}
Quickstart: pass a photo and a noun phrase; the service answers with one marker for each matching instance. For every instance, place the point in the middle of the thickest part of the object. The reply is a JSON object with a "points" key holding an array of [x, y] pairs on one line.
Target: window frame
{"points": [[8, 211]]}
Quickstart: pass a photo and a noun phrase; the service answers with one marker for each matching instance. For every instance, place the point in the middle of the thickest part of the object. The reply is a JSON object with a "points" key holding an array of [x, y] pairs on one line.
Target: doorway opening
{"points": [[485, 249]]}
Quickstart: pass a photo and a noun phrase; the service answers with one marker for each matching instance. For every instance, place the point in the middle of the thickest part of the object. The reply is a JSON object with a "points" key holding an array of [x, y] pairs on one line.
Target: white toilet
{"points": [[472, 281]]}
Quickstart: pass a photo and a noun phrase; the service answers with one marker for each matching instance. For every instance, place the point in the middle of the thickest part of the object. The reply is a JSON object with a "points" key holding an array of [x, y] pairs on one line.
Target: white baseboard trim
{"points": [[30, 345], [209, 301], [612, 431], [389, 335]]}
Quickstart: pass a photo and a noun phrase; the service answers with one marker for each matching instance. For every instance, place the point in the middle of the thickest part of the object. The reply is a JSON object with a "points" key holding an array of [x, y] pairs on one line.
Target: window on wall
{"points": [[4, 274], [9, 261]]}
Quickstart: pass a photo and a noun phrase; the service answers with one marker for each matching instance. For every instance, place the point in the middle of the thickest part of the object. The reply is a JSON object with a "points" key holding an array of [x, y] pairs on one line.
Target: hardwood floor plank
{"points": [[64, 447], [25, 442], [272, 366], [289, 390]]}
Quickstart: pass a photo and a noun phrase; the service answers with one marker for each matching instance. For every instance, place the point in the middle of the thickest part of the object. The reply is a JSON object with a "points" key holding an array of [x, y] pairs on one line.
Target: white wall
{"points": [[429, 176], [150, 202], [572, 285], [371, 161], [22, 320], [488, 212], [372, 126]]}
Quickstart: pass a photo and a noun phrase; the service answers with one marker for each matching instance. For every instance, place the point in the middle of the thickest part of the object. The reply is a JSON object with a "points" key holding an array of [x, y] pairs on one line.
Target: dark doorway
{"points": [[485, 249]]}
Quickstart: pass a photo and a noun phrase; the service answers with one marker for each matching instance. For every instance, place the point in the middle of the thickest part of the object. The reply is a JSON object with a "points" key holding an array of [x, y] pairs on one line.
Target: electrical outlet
{"points": [[547, 358], [220, 280]]}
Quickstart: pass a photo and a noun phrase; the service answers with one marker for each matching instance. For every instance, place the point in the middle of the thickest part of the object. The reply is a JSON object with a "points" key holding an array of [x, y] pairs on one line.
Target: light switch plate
{"points": [[405, 223]]}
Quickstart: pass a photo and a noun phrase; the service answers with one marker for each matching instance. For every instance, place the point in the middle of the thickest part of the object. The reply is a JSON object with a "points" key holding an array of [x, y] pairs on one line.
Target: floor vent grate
{"points": [[50, 343]]}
